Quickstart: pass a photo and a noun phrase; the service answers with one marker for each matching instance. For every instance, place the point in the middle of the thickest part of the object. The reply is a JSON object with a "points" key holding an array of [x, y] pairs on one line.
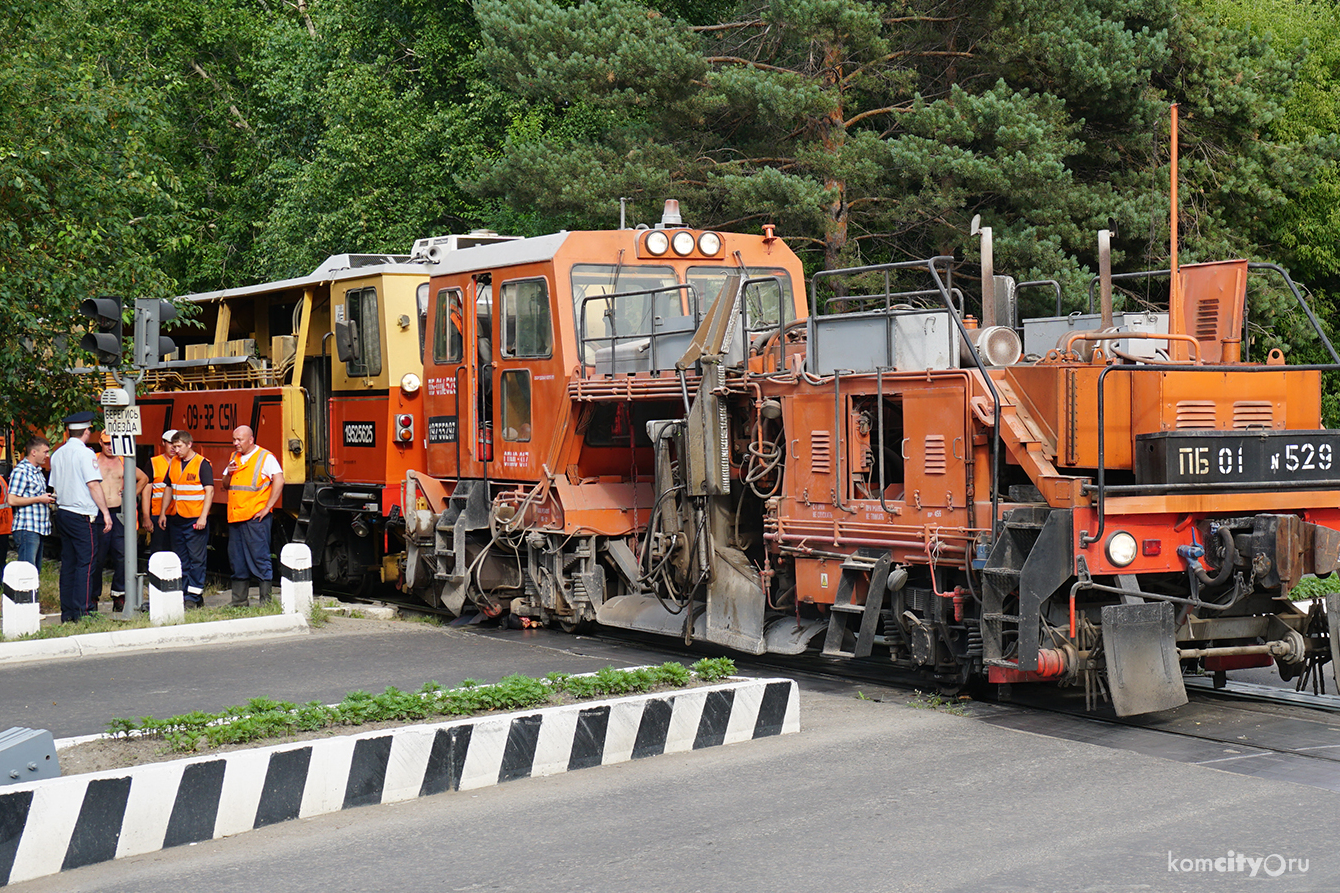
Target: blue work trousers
{"points": [[189, 544], [78, 542], [110, 545], [249, 548]]}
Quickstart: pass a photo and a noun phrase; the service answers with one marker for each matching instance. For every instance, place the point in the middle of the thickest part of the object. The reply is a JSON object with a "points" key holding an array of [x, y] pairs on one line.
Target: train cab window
{"points": [[526, 321], [448, 341], [767, 303], [515, 387], [421, 299], [602, 321], [361, 312]]}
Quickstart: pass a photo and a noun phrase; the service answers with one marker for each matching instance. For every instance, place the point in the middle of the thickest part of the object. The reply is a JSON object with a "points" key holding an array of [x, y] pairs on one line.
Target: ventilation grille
{"points": [[1207, 318], [821, 452], [1253, 414], [1195, 414], [935, 454]]}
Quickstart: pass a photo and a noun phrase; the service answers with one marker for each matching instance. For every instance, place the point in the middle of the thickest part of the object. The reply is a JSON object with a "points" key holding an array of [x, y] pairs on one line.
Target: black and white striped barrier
{"points": [[166, 600], [20, 609], [295, 579], [62, 823]]}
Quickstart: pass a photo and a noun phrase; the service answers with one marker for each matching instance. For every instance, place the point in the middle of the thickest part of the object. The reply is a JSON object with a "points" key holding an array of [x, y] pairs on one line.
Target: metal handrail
{"points": [[615, 339], [944, 288], [1251, 265], [1100, 486], [1034, 283]]}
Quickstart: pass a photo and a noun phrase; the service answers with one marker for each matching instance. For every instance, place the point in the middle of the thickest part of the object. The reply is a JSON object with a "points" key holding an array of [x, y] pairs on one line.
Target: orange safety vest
{"points": [[188, 494], [249, 490], [158, 489]]}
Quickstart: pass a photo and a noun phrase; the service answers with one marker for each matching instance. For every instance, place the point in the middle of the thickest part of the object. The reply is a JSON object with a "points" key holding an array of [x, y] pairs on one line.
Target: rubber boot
{"points": [[240, 588], [263, 587]]}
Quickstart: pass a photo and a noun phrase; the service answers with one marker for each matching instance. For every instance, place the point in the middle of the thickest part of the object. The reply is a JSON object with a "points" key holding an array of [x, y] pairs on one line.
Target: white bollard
{"points": [[20, 610], [165, 589], [295, 579]]}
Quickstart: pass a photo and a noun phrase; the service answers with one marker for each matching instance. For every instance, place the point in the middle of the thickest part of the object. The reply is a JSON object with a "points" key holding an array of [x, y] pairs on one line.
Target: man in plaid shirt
{"points": [[32, 504]]}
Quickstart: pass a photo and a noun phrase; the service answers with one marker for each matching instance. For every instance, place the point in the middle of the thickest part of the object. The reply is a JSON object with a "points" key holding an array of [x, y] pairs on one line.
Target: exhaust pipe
{"points": [[988, 273], [1105, 277]]}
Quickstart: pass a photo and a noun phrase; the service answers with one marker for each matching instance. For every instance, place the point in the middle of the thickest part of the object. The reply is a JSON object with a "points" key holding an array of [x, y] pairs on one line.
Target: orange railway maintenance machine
{"points": [[654, 429], [327, 371]]}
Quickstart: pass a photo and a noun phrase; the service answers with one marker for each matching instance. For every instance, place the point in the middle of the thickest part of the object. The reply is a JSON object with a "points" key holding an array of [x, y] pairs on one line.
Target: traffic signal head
{"points": [[150, 347], [404, 428], [105, 342]]}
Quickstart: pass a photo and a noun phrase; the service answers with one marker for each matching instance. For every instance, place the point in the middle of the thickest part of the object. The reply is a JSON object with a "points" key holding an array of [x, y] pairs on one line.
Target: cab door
{"points": [[447, 380], [936, 452]]}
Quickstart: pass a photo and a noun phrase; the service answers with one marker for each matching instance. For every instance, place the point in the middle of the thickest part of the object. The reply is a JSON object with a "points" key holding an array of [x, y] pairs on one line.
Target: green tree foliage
{"points": [[305, 129], [86, 204], [874, 131]]}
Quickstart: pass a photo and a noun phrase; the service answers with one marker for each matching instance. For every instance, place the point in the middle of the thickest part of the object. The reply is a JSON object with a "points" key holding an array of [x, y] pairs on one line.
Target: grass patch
{"points": [[1315, 587], [105, 623], [262, 718]]}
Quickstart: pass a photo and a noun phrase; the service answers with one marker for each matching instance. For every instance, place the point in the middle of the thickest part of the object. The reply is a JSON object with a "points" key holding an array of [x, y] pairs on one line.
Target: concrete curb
{"points": [[150, 638], [62, 823]]}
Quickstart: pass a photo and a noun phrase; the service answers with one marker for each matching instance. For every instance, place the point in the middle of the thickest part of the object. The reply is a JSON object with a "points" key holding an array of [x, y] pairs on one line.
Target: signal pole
{"points": [[119, 410], [130, 510]]}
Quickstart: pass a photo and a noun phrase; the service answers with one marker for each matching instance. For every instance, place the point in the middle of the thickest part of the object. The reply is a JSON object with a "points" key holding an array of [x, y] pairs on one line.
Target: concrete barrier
{"points": [[20, 610], [62, 823], [167, 603], [295, 579]]}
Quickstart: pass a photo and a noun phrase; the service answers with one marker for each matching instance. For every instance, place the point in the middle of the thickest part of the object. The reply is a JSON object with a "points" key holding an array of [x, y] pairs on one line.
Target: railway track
{"points": [[1245, 728]]}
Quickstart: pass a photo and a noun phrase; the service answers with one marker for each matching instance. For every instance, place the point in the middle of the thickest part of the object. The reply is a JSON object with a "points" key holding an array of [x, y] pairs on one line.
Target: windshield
{"points": [[766, 303]]}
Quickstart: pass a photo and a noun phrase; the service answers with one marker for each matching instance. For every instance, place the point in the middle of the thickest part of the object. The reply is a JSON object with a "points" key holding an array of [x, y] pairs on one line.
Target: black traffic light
{"points": [[105, 343], [150, 347]]}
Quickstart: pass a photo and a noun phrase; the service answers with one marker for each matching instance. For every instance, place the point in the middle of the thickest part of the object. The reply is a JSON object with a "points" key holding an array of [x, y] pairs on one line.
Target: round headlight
{"points": [[682, 243], [657, 243], [709, 243], [1121, 548], [409, 383]]}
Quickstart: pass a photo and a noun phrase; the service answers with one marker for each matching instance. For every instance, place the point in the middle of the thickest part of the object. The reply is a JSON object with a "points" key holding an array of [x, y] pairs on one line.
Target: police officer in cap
{"points": [[79, 503]]}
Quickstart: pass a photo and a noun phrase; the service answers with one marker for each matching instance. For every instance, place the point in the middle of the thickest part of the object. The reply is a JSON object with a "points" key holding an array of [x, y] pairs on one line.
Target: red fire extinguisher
{"points": [[486, 442]]}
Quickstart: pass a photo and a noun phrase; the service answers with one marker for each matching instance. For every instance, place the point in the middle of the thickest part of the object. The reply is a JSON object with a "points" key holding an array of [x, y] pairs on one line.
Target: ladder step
{"points": [[1007, 618], [848, 609], [1002, 571]]}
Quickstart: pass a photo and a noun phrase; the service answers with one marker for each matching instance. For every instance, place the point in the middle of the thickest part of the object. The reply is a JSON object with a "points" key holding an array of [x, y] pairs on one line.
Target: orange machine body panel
{"points": [[211, 416], [517, 336]]}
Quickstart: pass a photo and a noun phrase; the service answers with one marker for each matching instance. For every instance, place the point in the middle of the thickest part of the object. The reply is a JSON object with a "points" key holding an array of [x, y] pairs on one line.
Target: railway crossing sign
{"points": [[122, 420], [123, 445]]}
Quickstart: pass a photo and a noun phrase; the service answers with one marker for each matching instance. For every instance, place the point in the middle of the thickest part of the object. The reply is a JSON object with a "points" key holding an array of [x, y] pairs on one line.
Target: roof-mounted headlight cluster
{"points": [[659, 243]]}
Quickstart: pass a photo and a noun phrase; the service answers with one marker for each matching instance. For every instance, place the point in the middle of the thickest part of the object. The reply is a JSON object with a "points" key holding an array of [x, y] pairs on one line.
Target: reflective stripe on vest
{"points": [[247, 499], [158, 489], [187, 491]]}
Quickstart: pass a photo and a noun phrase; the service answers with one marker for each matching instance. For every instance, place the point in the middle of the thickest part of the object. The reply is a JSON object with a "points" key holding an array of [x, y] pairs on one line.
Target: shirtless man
{"points": [[113, 542]]}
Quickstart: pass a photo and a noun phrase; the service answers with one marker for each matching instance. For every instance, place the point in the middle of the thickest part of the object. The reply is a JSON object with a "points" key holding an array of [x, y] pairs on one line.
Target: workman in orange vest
{"points": [[255, 482], [151, 499], [190, 493]]}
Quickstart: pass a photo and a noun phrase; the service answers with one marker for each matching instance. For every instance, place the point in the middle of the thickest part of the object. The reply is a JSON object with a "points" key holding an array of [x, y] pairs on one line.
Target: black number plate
{"points": [[360, 434], [1211, 457]]}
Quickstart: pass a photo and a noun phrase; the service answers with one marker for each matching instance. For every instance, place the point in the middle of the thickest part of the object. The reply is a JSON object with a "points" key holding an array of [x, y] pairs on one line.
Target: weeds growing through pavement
{"points": [[923, 701], [265, 718]]}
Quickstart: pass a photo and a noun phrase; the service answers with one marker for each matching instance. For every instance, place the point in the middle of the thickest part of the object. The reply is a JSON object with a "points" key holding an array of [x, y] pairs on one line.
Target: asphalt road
{"points": [[79, 696], [870, 796]]}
